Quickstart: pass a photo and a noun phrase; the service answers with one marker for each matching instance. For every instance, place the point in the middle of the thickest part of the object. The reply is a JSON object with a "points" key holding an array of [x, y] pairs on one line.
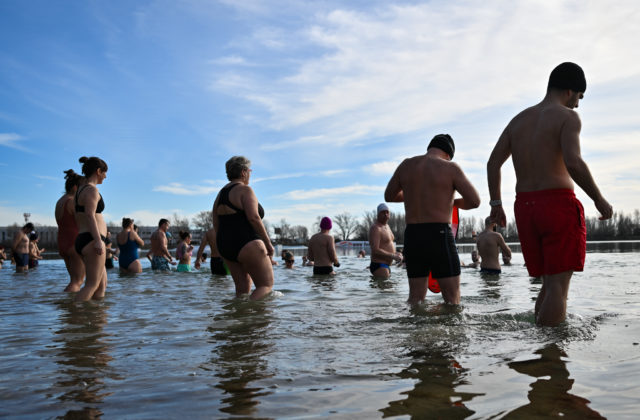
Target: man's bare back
{"points": [[489, 246], [322, 250]]}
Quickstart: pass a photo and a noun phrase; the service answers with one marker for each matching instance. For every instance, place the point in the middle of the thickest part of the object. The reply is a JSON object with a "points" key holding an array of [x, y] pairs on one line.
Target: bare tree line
{"points": [[350, 227]]}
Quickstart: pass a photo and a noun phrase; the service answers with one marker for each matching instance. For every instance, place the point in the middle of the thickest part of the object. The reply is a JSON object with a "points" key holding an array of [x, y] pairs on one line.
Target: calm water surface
{"points": [[179, 345]]}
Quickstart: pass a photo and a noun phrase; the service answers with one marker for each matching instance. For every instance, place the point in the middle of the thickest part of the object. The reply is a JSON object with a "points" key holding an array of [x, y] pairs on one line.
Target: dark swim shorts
{"points": [[492, 271], [430, 247], [322, 270], [552, 231]]}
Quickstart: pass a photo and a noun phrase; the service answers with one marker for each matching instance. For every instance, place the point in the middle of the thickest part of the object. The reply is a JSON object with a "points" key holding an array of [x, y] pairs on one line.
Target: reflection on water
{"points": [[242, 344], [83, 357], [434, 394], [549, 395]]}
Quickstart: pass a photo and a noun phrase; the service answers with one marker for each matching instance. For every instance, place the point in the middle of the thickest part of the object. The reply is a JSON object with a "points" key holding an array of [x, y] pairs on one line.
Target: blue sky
{"points": [[324, 97]]}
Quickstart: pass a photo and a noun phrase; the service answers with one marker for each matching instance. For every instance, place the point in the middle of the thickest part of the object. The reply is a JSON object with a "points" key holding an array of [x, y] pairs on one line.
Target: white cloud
{"points": [[12, 140], [355, 189], [181, 189], [398, 69], [386, 167]]}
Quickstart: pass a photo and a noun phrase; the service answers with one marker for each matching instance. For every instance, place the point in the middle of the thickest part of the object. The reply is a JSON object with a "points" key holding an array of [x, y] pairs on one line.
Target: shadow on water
{"points": [[241, 335], [83, 358], [549, 395]]}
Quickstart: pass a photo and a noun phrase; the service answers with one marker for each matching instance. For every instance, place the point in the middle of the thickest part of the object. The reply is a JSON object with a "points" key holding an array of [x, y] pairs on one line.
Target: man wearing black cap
{"points": [[544, 143], [427, 184]]}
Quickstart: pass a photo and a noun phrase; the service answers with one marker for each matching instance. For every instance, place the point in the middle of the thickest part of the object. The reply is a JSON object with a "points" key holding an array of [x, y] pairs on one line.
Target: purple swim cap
{"points": [[325, 223]]}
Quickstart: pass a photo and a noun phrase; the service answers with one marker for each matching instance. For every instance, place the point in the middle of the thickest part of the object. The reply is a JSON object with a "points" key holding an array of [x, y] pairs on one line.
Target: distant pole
{"points": [[26, 217]]}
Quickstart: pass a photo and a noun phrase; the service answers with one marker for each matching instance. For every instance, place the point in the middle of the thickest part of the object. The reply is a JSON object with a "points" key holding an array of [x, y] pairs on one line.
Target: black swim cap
{"points": [[443, 142], [568, 76]]}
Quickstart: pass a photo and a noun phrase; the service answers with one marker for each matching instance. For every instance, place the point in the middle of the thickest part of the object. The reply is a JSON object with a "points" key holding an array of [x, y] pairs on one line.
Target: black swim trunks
{"points": [[322, 270], [492, 271], [217, 266], [430, 247]]}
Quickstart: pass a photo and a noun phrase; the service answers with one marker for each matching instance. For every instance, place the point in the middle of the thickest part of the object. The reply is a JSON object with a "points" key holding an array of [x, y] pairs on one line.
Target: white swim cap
{"points": [[382, 207]]}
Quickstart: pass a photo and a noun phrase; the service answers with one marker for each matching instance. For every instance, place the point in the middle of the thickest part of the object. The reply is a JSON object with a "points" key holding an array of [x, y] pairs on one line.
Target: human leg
{"points": [[94, 266], [241, 278], [75, 267], [417, 290], [135, 267], [450, 289], [552, 309], [253, 257]]}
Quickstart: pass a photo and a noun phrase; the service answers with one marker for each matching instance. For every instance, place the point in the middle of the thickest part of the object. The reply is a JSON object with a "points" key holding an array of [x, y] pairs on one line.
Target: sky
{"points": [[324, 97]]}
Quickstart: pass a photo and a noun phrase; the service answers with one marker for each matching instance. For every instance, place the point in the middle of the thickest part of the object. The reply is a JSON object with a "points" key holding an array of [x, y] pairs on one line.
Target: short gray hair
{"points": [[235, 166]]}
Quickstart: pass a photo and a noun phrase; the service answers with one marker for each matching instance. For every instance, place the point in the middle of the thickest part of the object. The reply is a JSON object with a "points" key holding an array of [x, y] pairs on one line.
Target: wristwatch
{"points": [[494, 203]]}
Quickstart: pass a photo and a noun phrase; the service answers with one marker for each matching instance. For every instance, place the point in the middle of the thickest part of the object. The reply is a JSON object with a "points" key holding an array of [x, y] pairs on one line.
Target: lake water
{"points": [[179, 345]]}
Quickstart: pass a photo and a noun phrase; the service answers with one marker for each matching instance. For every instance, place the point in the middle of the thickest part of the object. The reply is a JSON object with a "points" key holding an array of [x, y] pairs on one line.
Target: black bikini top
{"points": [[224, 199], [80, 209]]}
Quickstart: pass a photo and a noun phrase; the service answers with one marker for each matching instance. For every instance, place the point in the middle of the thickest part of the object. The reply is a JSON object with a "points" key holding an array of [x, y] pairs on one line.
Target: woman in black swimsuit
{"points": [[241, 237], [92, 229]]}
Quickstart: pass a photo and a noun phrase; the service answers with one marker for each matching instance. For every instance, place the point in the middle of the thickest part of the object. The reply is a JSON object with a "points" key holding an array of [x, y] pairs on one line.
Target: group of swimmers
{"points": [[543, 142]]}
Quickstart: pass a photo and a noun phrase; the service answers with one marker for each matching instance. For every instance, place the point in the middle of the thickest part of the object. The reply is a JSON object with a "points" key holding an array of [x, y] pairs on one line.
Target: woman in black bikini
{"points": [[90, 242], [241, 237]]}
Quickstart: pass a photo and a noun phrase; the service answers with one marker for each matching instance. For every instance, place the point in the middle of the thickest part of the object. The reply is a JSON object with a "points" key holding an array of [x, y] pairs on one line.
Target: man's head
{"points": [[474, 255], [568, 77], [325, 223], [383, 213], [163, 225], [443, 142], [489, 223], [28, 228]]}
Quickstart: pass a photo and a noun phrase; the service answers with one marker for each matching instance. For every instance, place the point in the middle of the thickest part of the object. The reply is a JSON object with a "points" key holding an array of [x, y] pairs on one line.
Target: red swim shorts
{"points": [[552, 231]]}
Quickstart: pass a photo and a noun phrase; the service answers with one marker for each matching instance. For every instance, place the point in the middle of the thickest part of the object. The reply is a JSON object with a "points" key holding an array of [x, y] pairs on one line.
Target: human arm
{"points": [[499, 156], [250, 207], [470, 198], [577, 167], [91, 197], [203, 245], [331, 251], [393, 193], [506, 251]]}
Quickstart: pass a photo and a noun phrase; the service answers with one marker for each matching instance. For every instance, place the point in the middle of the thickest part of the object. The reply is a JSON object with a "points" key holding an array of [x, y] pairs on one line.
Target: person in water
{"points": [[68, 230], [92, 229], [427, 184], [289, 260], [544, 144], [35, 252], [3, 256], [322, 249], [490, 243], [110, 257], [475, 260], [129, 242], [20, 248], [216, 263], [241, 237], [383, 250], [161, 255], [183, 251]]}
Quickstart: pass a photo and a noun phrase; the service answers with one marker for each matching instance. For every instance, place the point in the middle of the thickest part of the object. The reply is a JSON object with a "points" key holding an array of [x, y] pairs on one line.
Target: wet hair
{"points": [[443, 142], [72, 179], [184, 234], [567, 76], [126, 222], [28, 226], [91, 164], [162, 222], [235, 166]]}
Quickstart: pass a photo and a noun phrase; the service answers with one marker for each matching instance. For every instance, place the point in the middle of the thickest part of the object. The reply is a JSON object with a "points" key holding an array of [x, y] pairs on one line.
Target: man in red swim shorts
{"points": [[544, 143]]}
